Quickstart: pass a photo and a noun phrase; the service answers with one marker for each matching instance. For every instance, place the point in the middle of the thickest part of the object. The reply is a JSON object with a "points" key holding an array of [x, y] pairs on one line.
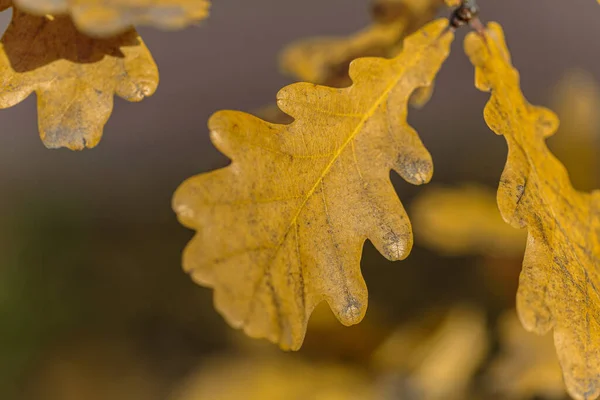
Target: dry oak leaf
{"points": [[108, 18], [559, 283], [74, 76], [324, 60], [282, 227]]}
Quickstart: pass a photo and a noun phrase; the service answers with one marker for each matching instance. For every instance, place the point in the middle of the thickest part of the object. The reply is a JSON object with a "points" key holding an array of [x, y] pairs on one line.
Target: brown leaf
{"points": [[559, 283], [74, 76], [108, 18], [282, 227]]}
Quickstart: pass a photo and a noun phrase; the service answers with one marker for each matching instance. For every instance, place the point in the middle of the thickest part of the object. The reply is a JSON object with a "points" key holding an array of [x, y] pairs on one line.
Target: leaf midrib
{"points": [[365, 117]]}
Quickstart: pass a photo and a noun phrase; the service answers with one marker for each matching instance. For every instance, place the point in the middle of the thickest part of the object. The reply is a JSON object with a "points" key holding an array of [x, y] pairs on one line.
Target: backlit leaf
{"points": [[74, 76], [559, 283], [282, 227], [107, 18]]}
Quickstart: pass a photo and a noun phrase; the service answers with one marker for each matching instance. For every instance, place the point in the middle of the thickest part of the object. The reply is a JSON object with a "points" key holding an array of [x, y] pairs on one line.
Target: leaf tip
{"points": [[351, 312], [416, 169]]}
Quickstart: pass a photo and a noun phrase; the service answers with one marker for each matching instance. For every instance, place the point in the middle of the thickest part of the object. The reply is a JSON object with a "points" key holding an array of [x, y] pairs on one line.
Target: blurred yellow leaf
{"points": [[282, 227], [463, 221], [453, 3], [576, 100], [275, 377], [324, 60], [272, 113], [108, 18], [560, 279], [93, 367], [438, 363], [527, 365], [74, 76]]}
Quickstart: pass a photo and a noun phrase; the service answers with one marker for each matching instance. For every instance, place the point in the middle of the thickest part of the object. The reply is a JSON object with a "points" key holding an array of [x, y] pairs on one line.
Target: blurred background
{"points": [[93, 301]]}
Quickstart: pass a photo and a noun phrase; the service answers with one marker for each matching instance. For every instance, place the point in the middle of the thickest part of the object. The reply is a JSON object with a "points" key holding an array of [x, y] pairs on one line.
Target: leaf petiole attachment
{"points": [[467, 13]]}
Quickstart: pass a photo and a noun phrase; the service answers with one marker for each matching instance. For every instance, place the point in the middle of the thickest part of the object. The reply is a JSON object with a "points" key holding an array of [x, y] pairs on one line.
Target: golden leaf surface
{"points": [[282, 227], [464, 221], [560, 276], [74, 76], [324, 60], [108, 18]]}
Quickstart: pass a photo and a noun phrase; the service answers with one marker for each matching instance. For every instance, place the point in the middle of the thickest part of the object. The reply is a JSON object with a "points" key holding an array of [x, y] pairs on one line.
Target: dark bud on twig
{"points": [[465, 14]]}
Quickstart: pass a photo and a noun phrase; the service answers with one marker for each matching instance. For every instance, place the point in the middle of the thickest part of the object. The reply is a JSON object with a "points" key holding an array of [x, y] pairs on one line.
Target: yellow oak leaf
{"points": [[108, 18], [74, 76], [324, 60], [559, 283], [463, 221], [282, 227]]}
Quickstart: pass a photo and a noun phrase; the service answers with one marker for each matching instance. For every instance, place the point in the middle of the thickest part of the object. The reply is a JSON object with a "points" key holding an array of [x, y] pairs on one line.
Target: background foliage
{"points": [[66, 242]]}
